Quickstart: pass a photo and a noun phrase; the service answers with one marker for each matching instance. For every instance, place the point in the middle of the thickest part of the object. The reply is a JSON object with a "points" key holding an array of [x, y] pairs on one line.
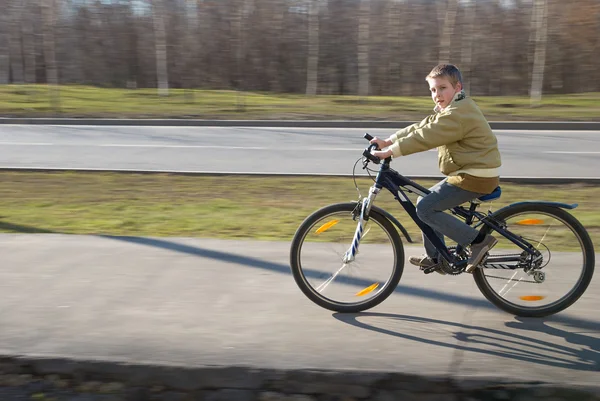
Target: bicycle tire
{"points": [[588, 258], [331, 304]]}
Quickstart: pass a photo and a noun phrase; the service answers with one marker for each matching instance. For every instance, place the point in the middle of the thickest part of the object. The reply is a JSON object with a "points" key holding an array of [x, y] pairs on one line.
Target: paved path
{"points": [[548, 154], [212, 302]]}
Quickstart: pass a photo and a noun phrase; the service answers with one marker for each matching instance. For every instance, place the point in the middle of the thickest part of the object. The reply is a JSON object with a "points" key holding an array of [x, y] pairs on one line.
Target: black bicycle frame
{"points": [[396, 183]]}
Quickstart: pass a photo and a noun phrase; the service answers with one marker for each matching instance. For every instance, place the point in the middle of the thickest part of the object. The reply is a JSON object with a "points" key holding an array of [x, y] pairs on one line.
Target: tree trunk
{"points": [[49, 24], [191, 49], [278, 34], [597, 47], [363, 47], [408, 64], [4, 49], [16, 54], [313, 48], [236, 45], [448, 30], [160, 45], [391, 57], [29, 51], [467, 48], [539, 57]]}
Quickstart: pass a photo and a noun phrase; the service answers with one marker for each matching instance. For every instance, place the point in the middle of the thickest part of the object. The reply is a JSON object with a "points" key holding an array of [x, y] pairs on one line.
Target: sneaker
{"points": [[478, 251], [424, 262]]}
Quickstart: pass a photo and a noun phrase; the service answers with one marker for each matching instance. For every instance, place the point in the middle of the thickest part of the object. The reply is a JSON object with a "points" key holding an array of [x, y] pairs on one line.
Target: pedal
{"points": [[431, 269]]}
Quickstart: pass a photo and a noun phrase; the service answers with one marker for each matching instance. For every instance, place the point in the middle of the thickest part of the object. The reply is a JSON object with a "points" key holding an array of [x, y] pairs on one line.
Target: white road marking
{"points": [[133, 145], [26, 144], [167, 146], [571, 153]]}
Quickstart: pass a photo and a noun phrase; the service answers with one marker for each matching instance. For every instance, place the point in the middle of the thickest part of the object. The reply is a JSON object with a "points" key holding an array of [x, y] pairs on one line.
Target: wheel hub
{"points": [[539, 276]]}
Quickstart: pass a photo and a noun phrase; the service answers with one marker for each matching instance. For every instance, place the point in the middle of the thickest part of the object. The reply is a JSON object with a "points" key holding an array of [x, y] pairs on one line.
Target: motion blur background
{"points": [[342, 47]]}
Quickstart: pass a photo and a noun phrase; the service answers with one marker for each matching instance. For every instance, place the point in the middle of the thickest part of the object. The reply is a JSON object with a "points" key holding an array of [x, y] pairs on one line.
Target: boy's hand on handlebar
{"points": [[382, 154], [381, 143]]}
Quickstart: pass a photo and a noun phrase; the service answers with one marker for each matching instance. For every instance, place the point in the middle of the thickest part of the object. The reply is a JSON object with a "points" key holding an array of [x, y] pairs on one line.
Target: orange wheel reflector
{"points": [[530, 222], [367, 290], [532, 297], [327, 226]]}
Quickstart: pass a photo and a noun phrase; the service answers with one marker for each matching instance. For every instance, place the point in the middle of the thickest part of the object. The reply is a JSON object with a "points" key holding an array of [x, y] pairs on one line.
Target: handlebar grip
{"points": [[368, 155], [367, 136]]}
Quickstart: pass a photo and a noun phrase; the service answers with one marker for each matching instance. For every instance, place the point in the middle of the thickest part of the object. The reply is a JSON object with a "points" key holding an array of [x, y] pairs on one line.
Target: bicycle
{"points": [[531, 235]]}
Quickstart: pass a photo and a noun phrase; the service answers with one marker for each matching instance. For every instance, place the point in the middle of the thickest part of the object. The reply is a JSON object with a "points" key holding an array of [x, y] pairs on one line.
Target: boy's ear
{"points": [[458, 86]]}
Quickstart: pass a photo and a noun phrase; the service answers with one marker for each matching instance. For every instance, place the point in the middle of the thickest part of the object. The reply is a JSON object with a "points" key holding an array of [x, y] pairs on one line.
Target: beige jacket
{"points": [[467, 147]]}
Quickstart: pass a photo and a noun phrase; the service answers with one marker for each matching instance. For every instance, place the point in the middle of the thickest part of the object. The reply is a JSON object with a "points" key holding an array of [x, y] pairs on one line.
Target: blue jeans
{"points": [[431, 211]]}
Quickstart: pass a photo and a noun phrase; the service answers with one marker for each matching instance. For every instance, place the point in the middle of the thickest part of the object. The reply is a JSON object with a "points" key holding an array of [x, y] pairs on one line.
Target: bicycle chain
{"points": [[510, 279], [510, 254]]}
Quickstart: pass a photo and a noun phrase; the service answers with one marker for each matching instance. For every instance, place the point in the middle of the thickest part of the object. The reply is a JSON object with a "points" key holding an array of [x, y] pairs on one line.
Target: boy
{"points": [[467, 154]]}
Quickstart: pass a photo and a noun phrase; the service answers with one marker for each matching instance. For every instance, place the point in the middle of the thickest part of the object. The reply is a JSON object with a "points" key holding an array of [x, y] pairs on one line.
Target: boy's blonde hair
{"points": [[449, 71]]}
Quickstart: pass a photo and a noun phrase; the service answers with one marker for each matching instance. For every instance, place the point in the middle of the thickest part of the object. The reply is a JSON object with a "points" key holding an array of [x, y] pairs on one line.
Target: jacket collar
{"points": [[457, 97]]}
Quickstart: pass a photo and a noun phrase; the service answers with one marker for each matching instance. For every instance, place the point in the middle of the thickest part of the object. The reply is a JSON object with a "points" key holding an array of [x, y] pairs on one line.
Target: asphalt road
{"points": [[199, 302], [546, 154], [205, 302]]}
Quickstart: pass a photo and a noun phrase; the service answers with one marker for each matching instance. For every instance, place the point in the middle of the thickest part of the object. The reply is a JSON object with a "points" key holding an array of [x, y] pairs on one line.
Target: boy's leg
{"points": [[432, 208], [430, 249]]}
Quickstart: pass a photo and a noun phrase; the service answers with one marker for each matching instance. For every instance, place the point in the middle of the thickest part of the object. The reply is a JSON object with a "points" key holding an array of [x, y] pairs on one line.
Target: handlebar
{"points": [[367, 151]]}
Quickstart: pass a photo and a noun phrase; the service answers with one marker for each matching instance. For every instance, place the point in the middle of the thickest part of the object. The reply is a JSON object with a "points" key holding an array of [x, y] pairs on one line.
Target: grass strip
{"points": [[230, 207], [92, 102]]}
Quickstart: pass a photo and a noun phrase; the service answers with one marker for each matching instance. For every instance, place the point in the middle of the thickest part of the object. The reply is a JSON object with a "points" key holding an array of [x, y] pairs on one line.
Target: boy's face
{"points": [[442, 91]]}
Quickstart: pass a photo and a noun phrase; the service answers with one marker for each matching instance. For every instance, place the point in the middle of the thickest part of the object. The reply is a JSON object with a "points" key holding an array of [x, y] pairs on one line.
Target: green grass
{"points": [[232, 207], [87, 101]]}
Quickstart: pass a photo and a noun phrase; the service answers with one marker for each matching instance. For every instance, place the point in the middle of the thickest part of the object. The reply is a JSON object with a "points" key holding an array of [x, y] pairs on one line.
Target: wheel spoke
{"points": [[330, 279], [563, 250], [322, 243]]}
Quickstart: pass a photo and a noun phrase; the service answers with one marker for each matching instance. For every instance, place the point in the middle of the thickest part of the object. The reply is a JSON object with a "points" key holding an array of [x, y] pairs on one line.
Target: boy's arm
{"points": [[407, 130], [436, 130]]}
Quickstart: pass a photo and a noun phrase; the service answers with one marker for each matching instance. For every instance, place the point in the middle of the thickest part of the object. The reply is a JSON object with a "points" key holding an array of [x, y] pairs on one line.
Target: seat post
{"points": [[472, 208]]}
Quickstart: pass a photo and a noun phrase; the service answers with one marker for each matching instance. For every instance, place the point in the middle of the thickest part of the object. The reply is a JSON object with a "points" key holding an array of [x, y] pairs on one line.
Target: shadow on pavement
{"points": [[16, 228], [484, 340], [285, 269]]}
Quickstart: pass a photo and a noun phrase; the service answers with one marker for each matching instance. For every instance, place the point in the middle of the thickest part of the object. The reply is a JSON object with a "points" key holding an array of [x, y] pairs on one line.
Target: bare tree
{"points": [[467, 47], [390, 47], [539, 58], [241, 14], [15, 13], [448, 30], [275, 31], [4, 49], [49, 11], [191, 45], [313, 48], [363, 47], [29, 52], [160, 43]]}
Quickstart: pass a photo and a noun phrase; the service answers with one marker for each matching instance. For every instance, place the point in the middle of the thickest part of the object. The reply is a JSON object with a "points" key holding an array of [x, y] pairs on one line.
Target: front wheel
{"points": [[547, 283], [330, 280]]}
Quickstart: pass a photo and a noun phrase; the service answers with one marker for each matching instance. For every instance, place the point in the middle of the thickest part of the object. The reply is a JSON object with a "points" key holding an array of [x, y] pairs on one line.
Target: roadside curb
{"points": [[500, 125], [167, 382], [515, 180]]}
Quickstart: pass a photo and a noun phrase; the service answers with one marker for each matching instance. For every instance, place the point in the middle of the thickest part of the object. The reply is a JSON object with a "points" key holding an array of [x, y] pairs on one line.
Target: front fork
{"points": [[350, 254]]}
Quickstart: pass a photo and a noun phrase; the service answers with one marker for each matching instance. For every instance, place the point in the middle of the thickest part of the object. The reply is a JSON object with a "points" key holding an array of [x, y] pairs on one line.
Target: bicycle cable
{"points": [[369, 171], [354, 177]]}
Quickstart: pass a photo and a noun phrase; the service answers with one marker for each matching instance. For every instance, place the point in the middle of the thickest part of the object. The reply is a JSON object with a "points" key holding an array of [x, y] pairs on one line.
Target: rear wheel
{"points": [[551, 280], [317, 259]]}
